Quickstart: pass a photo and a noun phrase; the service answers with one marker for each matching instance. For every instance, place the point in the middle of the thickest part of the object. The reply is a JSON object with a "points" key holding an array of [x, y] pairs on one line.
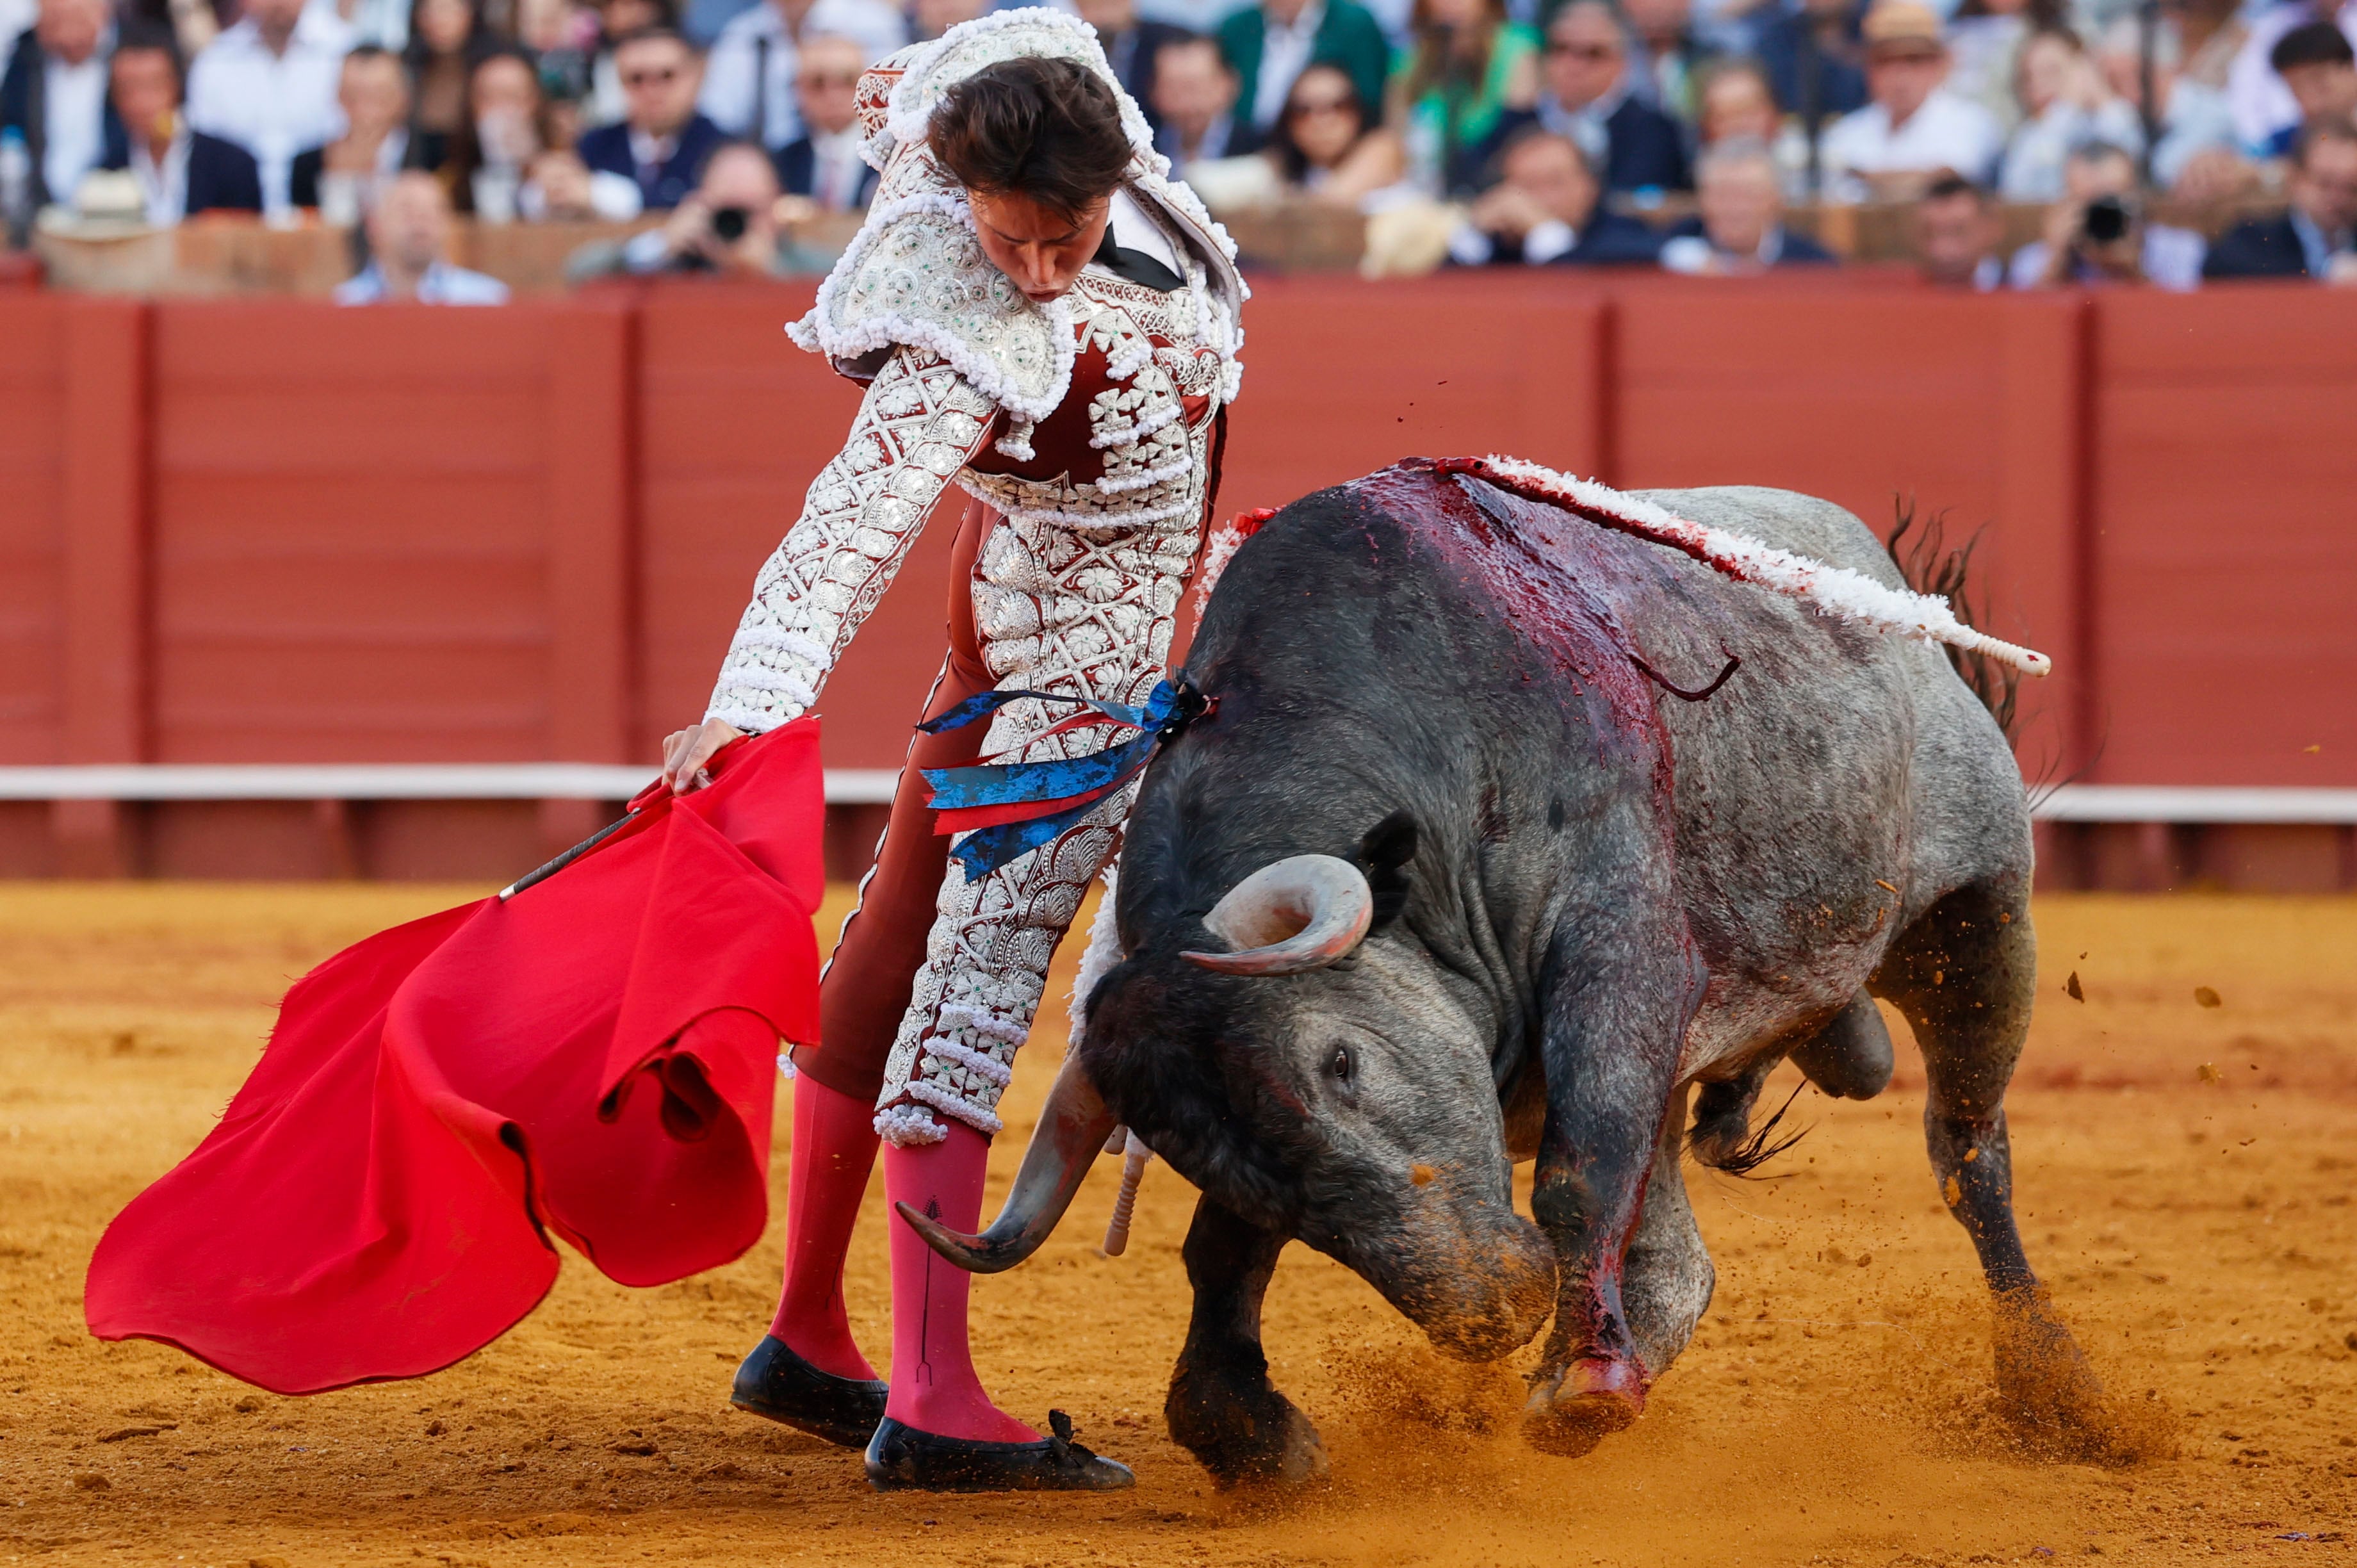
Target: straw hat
{"points": [[1902, 28], [108, 205]]}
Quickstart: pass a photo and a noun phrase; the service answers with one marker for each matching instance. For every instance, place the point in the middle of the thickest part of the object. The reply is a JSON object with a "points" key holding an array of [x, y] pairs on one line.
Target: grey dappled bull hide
{"points": [[1586, 896]]}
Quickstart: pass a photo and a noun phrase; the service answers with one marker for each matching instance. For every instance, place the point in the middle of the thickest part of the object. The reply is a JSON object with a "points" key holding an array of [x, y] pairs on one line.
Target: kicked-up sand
{"points": [[2186, 1175]]}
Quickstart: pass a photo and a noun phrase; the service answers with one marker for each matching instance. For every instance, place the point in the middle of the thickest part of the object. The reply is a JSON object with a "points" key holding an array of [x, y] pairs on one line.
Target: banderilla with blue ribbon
{"points": [[1009, 809]]}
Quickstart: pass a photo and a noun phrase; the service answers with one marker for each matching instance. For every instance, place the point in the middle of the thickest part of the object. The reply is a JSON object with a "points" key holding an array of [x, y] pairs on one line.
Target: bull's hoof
{"points": [[2046, 1390], [1242, 1429], [1572, 1411]]}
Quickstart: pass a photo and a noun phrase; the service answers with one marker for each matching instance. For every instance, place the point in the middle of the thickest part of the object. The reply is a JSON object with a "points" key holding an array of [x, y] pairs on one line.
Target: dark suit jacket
{"points": [[1608, 240], [1132, 56], [23, 94], [1841, 83], [1799, 251], [1644, 147], [222, 176], [797, 165], [1348, 36], [2257, 248], [607, 150]]}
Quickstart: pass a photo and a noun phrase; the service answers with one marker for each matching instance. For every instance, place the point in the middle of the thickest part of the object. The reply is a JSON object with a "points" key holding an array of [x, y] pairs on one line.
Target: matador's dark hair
{"points": [[1048, 129]]}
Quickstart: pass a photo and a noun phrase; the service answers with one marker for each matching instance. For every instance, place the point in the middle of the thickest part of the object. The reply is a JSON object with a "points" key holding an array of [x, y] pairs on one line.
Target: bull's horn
{"points": [[1303, 912], [1072, 1132]]}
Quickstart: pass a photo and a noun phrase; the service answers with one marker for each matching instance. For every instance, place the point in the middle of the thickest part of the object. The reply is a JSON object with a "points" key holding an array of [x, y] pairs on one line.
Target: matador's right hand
{"points": [[686, 751]]}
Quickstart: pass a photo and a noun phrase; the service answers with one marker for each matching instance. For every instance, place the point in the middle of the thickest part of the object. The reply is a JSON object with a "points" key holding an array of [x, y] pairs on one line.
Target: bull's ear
{"points": [[1386, 850]]}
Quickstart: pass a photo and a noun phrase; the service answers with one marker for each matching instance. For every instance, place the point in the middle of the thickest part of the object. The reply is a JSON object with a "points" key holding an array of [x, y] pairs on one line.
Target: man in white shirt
{"points": [[54, 93], [408, 231], [1913, 128], [181, 173], [269, 85], [748, 77]]}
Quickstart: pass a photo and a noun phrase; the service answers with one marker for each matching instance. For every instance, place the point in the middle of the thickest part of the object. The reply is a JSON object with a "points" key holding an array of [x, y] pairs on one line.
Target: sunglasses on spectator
{"points": [[1583, 51], [655, 76], [1309, 106]]}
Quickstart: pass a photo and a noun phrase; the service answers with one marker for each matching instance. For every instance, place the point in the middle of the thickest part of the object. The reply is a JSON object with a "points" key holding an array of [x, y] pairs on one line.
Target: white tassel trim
{"points": [[752, 721], [958, 1014], [1111, 518], [786, 1068], [1836, 590], [1145, 478], [1134, 357], [802, 645], [751, 673], [950, 1103], [1137, 432], [980, 1063], [909, 1126]]}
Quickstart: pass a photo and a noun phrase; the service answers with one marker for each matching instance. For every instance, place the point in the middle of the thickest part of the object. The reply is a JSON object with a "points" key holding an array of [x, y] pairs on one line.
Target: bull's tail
{"points": [[1920, 550]]}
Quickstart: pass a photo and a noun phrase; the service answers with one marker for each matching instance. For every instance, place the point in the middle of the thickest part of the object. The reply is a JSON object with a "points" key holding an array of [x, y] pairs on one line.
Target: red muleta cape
{"points": [[591, 1059]]}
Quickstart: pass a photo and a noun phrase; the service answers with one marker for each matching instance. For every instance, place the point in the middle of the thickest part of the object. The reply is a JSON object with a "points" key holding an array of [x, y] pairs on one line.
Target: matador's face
{"points": [[1041, 249]]}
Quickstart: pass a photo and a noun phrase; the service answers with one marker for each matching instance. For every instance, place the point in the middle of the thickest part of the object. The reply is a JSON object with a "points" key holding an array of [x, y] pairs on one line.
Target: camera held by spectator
{"points": [[2096, 232], [730, 227]]}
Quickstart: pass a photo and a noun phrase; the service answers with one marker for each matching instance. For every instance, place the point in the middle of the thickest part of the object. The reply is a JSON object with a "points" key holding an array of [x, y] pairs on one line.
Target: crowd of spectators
{"points": [[1670, 133]]}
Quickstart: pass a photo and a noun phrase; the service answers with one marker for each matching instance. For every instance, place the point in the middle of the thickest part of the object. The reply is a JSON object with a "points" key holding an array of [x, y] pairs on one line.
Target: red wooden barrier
{"points": [[275, 532], [2225, 603]]}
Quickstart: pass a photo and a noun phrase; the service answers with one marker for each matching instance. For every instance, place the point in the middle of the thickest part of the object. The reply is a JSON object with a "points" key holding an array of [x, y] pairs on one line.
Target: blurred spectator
{"points": [[2207, 36], [2312, 239], [2097, 232], [1739, 227], [1956, 230], [503, 133], [1985, 42], [446, 41], [1914, 127], [1586, 96], [2064, 106], [340, 178], [1195, 98], [1452, 93], [1327, 147], [823, 162], [15, 20], [1815, 58], [2319, 71], [1130, 44], [1734, 102], [617, 20], [749, 84], [1669, 56], [2260, 102], [180, 172], [409, 234], [54, 95], [2195, 127], [662, 142], [1270, 43], [560, 38], [1548, 209], [727, 226], [930, 19], [269, 84]]}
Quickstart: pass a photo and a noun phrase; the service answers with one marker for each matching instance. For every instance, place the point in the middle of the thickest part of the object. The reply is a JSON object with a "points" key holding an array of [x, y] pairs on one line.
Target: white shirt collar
{"points": [[648, 150], [164, 186]]}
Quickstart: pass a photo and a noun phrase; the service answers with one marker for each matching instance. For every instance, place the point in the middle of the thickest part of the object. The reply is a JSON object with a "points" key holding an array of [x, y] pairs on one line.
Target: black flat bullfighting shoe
{"points": [[902, 1458], [779, 1384]]}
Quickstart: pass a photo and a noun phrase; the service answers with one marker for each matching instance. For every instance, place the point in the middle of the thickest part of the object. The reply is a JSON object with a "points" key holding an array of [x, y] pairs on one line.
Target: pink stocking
{"points": [[833, 1150], [934, 1387]]}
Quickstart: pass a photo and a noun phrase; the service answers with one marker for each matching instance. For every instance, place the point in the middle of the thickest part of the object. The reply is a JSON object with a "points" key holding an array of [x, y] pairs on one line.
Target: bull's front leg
{"points": [[1619, 1003], [1223, 1408]]}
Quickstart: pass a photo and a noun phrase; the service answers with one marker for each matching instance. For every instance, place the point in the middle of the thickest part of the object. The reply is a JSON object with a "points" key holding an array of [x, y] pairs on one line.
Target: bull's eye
{"points": [[1339, 1064]]}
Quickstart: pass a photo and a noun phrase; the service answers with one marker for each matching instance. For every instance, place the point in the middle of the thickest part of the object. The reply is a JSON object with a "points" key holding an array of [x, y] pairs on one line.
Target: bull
{"points": [[1462, 867]]}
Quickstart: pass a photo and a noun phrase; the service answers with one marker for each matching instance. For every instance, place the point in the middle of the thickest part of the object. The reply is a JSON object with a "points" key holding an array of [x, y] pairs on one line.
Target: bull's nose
{"points": [[1494, 1306]]}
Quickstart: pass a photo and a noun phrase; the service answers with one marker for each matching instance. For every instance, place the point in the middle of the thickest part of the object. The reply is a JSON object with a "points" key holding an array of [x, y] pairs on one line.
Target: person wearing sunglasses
{"points": [[1048, 321], [1586, 95], [1324, 148], [662, 140], [823, 163]]}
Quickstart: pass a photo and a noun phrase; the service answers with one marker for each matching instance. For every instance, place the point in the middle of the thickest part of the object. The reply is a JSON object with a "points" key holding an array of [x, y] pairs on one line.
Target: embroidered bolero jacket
{"points": [[1098, 412]]}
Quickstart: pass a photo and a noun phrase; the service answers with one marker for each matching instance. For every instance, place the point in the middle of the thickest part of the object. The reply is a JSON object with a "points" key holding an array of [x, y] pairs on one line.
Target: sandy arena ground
{"points": [[2186, 1176]]}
